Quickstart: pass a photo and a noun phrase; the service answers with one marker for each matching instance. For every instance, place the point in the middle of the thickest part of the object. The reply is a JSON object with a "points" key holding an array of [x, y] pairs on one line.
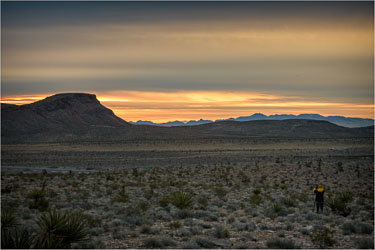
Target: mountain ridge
{"points": [[349, 122]]}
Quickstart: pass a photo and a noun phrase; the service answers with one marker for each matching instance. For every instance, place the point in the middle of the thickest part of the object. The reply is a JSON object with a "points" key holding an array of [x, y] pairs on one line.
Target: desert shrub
{"points": [[242, 246], [122, 196], [167, 241], [91, 244], [175, 224], [244, 178], [203, 201], [365, 243], [96, 231], [339, 202], [135, 220], [289, 202], [212, 217], [346, 196], [365, 228], [118, 235], [148, 194], [182, 214], [276, 208], [256, 199], [110, 177], [357, 227], [231, 219], [182, 199], [220, 192], [136, 209], [305, 231], [116, 223], [149, 230], [164, 201], [189, 245], [247, 236], [245, 226], [39, 200], [281, 234], [91, 220], [205, 242], [276, 243], [152, 243], [6, 190], [323, 238], [195, 230], [220, 232], [289, 227], [183, 233], [142, 205], [257, 191], [348, 228]]}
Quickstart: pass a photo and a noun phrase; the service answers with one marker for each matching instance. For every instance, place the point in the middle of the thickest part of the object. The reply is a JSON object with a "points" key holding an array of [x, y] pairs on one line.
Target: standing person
{"points": [[319, 197]]}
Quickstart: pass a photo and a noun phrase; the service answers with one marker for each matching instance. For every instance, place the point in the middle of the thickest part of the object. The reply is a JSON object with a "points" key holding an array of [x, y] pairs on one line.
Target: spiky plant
{"points": [[60, 230], [21, 240], [8, 220], [182, 199]]}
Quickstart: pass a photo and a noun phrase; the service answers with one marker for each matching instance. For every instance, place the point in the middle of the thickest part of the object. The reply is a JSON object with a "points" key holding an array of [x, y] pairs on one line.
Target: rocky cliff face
{"points": [[62, 113]]}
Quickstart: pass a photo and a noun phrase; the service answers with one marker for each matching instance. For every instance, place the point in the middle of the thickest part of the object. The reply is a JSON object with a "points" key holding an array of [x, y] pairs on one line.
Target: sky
{"points": [[164, 61]]}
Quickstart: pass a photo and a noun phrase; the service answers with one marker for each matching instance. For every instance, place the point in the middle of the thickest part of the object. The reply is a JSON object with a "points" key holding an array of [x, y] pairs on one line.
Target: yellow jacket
{"points": [[319, 189]]}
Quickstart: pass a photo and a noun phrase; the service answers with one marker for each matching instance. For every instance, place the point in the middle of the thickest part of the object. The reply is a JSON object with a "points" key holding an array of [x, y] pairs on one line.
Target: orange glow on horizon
{"points": [[209, 105]]}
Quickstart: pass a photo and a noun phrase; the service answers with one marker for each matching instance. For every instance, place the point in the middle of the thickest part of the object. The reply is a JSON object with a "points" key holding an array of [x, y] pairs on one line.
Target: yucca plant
{"points": [[8, 220], [182, 199], [59, 230], [39, 201], [21, 240]]}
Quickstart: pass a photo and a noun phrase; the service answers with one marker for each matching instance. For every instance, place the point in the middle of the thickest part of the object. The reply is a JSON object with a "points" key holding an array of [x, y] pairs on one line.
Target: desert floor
{"points": [[221, 193]]}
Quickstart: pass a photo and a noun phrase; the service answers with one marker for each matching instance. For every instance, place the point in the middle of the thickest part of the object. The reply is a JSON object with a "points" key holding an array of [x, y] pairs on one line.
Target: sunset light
{"points": [[213, 105]]}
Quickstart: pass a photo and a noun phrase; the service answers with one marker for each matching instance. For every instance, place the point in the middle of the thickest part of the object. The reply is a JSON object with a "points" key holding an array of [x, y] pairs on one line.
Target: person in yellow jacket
{"points": [[319, 198]]}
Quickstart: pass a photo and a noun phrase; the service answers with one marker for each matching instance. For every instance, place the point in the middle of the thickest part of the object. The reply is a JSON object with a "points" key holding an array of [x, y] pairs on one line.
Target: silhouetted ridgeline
{"points": [[81, 117]]}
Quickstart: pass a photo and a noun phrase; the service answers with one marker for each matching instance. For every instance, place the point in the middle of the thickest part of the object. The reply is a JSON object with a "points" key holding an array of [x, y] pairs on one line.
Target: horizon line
{"points": [[185, 106]]}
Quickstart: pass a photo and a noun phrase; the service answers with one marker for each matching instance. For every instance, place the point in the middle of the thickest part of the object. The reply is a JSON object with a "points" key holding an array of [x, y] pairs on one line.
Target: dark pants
{"points": [[319, 205]]}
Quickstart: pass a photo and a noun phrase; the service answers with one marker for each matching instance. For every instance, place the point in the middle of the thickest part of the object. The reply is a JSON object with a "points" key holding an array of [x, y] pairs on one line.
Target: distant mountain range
{"points": [[171, 124], [349, 122], [80, 117]]}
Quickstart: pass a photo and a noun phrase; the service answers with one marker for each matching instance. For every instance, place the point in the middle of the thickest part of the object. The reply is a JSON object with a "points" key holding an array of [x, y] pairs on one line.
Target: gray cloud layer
{"points": [[297, 48]]}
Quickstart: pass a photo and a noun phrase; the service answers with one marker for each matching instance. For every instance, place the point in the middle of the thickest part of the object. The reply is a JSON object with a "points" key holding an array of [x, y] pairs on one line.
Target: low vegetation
{"points": [[239, 199]]}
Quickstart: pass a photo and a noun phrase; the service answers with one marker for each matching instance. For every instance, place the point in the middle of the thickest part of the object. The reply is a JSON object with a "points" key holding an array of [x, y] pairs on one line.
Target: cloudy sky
{"points": [[164, 61]]}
